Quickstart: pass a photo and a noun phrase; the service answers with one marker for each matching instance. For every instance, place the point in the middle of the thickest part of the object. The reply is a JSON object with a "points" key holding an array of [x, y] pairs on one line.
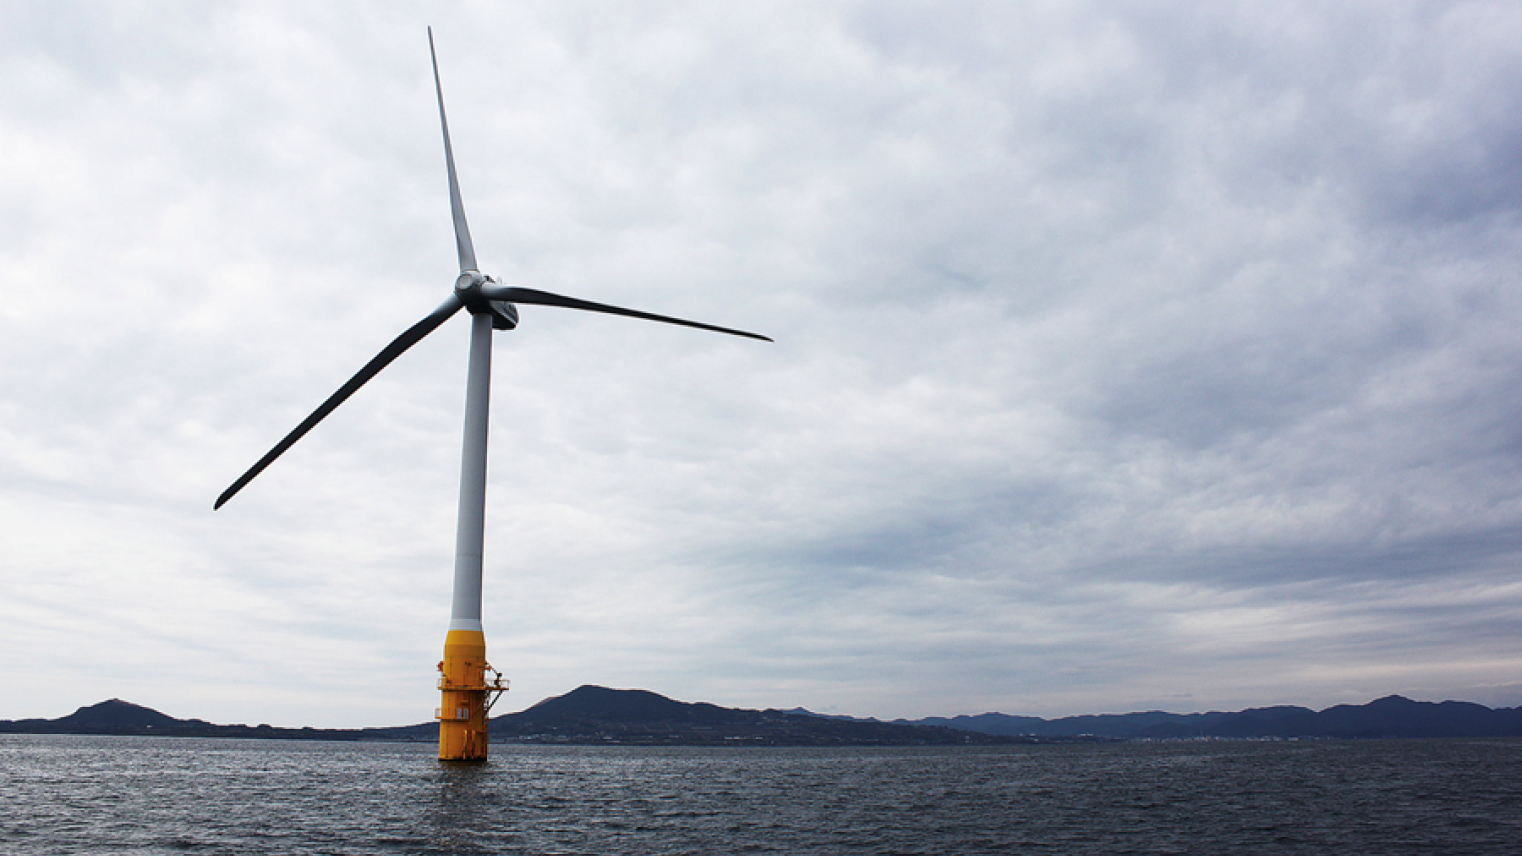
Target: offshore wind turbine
{"points": [[466, 694]]}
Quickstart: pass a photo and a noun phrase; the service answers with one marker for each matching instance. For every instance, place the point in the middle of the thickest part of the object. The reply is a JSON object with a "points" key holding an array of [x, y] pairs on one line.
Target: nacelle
{"points": [[504, 315]]}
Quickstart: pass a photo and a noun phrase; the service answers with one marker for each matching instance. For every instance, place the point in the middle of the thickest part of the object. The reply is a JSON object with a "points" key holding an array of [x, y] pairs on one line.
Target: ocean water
{"points": [[144, 795]]}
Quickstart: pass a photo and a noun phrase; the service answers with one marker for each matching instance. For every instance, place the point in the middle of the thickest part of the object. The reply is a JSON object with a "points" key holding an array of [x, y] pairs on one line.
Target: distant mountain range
{"points": [[1392, 716], [597, 715], [600, 715], [588, 715]]}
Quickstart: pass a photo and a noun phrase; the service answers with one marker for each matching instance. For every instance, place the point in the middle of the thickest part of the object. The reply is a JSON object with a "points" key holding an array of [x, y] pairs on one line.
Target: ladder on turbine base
{"points": [[491, 690]]}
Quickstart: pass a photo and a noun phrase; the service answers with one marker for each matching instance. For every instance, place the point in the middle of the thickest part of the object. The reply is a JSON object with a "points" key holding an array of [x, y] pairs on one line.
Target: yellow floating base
{"points": [[466, 697]]}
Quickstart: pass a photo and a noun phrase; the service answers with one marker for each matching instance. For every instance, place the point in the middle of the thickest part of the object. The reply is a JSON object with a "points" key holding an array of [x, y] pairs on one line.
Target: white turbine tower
{"points": [[465, 701]]}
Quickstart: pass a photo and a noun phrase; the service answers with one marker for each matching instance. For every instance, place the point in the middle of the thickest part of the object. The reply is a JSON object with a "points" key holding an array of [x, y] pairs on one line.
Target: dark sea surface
{"points": [[62, 795]]}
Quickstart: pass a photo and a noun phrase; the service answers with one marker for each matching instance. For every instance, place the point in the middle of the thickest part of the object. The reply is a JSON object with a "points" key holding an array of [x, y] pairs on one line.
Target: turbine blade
{"points": [[456, 207], [514, 294], [401, 343]]}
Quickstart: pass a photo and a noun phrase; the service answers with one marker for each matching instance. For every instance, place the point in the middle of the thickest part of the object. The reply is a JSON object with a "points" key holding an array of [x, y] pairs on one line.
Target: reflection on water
{"points": [[62, 795], [461, 800]]}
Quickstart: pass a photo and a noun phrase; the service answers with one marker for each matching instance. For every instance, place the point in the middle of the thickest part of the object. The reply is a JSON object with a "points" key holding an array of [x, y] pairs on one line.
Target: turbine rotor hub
{"points": [[504, 315], [468, 286]]}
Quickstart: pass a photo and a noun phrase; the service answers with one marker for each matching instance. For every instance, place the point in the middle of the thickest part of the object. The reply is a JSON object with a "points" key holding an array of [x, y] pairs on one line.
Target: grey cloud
{"points": [[1127, 354]]}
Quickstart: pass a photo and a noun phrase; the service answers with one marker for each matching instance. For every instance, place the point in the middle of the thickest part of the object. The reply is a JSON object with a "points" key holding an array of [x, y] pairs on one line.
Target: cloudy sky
{"points": [[1129, 354]]}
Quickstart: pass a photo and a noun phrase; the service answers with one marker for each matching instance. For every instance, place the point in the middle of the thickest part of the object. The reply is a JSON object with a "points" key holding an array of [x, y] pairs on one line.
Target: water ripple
{"points": [[132, 795]]}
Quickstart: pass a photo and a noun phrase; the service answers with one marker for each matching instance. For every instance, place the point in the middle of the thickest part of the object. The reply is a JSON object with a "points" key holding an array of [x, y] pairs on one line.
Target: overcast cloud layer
{"points": [[1129, 355]]}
